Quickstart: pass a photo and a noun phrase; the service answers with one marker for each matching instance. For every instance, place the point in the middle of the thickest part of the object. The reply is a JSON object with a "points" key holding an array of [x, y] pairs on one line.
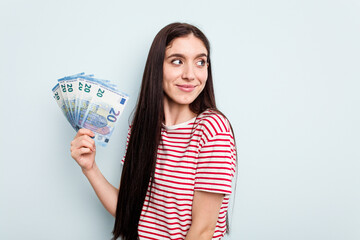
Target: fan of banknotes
{"points": [[92, 103]]}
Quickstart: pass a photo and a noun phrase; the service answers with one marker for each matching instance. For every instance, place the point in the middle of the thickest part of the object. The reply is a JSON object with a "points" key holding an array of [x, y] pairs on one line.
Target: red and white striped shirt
{"points": [[198, 155]]}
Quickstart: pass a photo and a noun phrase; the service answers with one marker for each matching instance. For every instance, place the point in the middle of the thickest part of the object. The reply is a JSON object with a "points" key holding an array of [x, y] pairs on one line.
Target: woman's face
{"points": [[184, 70]]}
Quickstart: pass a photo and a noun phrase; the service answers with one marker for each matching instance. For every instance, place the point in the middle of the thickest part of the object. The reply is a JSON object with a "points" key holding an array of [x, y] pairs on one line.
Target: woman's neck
{"points": [[176, 113]]}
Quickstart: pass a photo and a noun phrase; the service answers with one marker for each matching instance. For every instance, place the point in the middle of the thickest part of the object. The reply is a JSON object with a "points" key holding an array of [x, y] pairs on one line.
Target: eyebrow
{"points": [[182, 56]]}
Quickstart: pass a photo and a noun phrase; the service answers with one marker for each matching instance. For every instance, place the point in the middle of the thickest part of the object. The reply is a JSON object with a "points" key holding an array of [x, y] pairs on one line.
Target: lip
{"points": [[186, 87]]}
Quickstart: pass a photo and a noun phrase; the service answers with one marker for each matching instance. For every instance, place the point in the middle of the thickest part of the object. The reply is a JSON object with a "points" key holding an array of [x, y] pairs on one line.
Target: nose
{"points": [[188, 72]]}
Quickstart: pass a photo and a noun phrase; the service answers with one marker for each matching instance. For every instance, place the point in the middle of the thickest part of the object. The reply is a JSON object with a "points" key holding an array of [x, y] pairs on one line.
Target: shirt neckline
{"points": [[179, 125]]}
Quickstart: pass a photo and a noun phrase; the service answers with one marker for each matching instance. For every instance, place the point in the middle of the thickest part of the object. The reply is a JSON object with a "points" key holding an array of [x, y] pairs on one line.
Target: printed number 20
{"points": [[112, 118]]}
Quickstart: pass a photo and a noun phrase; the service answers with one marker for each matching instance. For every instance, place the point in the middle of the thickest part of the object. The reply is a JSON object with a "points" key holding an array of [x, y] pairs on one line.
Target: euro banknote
{"points": [[92, 103]]}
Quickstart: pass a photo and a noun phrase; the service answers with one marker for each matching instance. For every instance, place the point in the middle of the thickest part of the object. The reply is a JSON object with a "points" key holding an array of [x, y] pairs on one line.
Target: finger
{"points": [[85, 150], [81, 142], [86, 137], [76, 153], [84, 131], [84, 142], [80, 138]]}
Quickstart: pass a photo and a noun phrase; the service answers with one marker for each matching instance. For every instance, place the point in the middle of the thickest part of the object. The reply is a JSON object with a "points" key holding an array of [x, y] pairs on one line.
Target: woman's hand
{"points": [[83, 149]]}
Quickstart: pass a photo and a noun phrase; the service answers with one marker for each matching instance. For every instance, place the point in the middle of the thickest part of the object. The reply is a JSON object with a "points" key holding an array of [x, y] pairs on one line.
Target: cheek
{"points": [[170, 75], [166, 73], [166, 78], [203, 76]]}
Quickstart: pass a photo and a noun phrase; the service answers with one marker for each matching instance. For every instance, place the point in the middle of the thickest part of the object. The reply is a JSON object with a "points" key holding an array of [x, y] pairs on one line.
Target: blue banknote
{"points": [[92, 103]]}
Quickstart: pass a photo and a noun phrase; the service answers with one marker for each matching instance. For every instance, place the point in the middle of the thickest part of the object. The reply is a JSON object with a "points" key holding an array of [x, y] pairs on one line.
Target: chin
{"points": [[181, 100], [185, 101]]}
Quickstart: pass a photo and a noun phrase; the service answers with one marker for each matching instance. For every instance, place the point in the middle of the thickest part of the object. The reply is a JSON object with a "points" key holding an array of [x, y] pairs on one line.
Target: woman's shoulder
{"points": [[214, 122]]}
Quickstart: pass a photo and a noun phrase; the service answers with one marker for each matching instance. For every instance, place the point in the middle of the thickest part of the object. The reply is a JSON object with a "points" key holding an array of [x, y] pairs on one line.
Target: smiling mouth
{"points": [[186, 87]]}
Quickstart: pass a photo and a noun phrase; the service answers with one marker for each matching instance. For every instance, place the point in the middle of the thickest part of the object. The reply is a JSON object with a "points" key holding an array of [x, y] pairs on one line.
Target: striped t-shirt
{"points": [[198, 155]]}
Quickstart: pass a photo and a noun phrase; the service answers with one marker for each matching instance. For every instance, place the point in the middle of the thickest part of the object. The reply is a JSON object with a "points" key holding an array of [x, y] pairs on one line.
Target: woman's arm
{"points": [[106, 192], [205, 212], [83, 151]]}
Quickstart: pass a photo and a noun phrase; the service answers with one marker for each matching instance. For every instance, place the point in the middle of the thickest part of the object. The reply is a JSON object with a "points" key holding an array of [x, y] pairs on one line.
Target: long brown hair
{"points": [[139, 167]]}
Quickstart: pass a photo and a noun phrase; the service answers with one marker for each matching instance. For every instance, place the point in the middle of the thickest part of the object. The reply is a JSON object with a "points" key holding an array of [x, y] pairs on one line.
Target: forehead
{"points": [[186, 45]]}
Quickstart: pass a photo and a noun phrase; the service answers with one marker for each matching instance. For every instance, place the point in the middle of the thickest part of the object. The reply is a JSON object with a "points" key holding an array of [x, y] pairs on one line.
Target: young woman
{"points": [[181, 156]]}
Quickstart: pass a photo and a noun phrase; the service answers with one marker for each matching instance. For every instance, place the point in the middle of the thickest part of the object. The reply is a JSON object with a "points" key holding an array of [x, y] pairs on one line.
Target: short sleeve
{"points": [[216, 164]]}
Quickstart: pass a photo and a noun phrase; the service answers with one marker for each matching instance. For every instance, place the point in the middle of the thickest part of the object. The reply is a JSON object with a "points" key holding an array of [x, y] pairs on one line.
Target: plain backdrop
{"points": [[286, 75]]}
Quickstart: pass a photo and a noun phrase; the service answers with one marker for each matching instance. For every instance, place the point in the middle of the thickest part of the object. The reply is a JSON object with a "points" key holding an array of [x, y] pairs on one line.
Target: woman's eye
{"points": [[201, 63], [176, 61]]}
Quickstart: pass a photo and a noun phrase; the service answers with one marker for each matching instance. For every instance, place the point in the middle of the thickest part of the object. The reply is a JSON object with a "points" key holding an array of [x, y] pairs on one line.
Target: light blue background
{"points": [[286, 75]]}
